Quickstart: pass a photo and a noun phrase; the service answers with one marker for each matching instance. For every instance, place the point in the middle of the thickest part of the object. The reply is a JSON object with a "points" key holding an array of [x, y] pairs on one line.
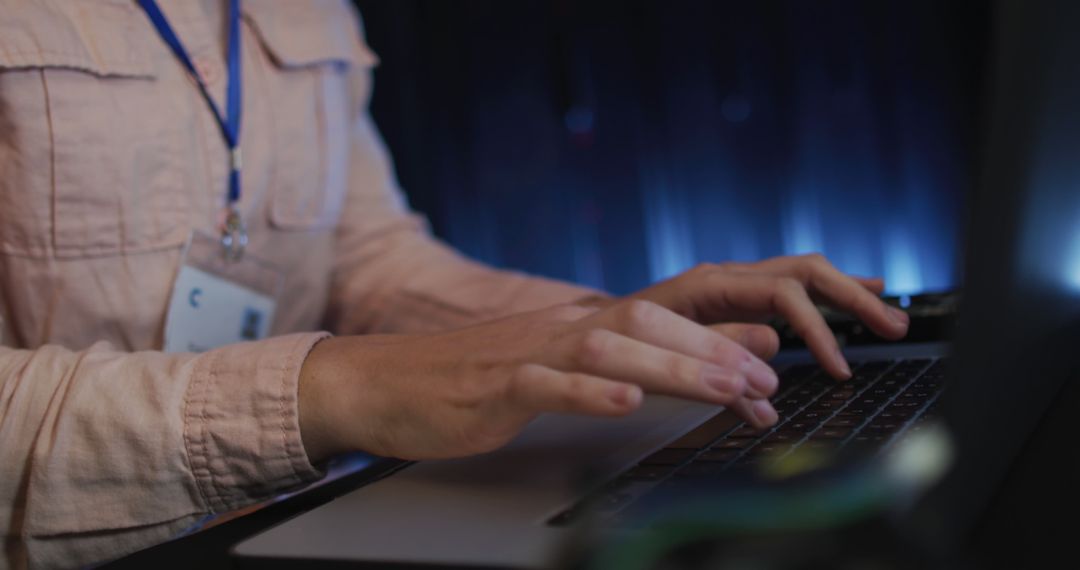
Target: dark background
{"points": [[617, 143]]}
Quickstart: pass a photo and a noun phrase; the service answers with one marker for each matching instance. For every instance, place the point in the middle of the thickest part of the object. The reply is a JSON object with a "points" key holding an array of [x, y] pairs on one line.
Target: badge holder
{"points": [[221, 296]]}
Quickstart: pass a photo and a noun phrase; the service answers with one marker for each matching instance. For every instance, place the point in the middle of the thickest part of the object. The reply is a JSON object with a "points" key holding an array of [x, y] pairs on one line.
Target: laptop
{"points": [[1002, 388]]}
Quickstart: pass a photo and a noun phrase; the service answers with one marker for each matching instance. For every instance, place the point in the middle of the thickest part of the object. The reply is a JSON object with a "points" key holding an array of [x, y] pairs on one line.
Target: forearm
{"points": [[406, 281]]}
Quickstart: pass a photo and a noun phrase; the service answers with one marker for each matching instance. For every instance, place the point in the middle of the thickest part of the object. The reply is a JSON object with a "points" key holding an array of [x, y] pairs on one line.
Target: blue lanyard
{"points": [[234, 236]]}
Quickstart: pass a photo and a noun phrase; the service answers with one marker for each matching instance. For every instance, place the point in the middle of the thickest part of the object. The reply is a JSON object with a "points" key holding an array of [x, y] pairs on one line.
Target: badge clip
{"points": [[234, 238]]}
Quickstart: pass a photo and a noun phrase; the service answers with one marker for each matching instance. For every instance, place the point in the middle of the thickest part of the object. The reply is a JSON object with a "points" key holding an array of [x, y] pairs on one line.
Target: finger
{"points": [[603, 353], [875, 285], [761, 340], [657, 326], [568, 312], [794, 304], [537, 388], [759, 413], [743, 295], [827, 283]]}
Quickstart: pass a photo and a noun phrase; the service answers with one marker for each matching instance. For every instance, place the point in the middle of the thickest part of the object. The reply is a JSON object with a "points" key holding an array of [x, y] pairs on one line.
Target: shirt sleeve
{"points": [[393, 276], [106, 452]]}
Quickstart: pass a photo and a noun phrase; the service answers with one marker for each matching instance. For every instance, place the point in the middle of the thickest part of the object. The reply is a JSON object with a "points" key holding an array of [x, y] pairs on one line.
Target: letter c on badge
{"points": [[193, 297]]}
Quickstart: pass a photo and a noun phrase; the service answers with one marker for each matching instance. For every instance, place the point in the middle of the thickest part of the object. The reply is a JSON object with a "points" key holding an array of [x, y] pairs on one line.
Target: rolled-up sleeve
{"points": [[125, 449]]}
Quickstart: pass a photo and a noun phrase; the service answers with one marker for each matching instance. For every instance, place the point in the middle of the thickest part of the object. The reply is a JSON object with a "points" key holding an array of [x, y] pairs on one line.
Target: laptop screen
{"points": [[1019, 331]]}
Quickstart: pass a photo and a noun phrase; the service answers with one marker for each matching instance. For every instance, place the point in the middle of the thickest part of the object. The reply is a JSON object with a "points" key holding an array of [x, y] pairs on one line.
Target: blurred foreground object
{"points": [[809, 509]]}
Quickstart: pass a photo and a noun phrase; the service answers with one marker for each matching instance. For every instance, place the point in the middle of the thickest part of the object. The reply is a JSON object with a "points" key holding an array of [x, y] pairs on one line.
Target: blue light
{"points": [[1072, 264], [802, 228], [669, 241], [902, 273]]}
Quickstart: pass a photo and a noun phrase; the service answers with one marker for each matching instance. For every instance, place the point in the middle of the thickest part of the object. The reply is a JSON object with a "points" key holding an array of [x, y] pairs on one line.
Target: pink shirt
{"points": [[109, 158]]}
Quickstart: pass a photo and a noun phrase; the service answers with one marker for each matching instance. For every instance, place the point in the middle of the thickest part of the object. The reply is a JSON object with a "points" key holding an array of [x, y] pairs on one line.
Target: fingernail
{"points": [[626, 396], [724, 380], [899, 317], [764, 412], [841, 362], [760, 376]]}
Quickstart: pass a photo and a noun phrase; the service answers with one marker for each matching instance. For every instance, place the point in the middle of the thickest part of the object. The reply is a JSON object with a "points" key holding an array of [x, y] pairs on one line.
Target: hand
{"points": [[471, 390], [785, 286]]}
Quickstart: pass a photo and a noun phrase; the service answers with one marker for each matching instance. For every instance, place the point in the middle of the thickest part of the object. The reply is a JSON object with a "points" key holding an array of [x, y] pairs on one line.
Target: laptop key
{"points": [[790, 402], [736, 444], [825, 405], [749, 461], [745, 431], [810, 417], [932, 386], [859, 378], [843, 422], [881, 428], [785, 411], [902, 404], [773, 449], [890, 386], [893, 416], [805, 393], [716, 456], [881, 392], [821, 445], [830, 433], [800, 427], [783, 436], [841, 395]]}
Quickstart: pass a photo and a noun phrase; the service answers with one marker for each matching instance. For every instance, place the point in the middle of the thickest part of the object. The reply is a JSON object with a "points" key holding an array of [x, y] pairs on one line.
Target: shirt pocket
{"points": [[316, 56], [89, 150]]}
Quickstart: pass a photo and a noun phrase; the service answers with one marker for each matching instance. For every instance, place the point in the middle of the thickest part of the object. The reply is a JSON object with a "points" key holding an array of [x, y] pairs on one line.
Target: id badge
{"points": [[218, 301]]}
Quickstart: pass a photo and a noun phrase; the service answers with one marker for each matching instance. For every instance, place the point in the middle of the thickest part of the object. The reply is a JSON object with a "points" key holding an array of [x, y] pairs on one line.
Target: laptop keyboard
{"points": [[865, 414]]}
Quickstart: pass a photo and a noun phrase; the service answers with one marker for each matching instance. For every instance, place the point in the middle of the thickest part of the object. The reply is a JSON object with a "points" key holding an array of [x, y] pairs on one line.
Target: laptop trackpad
{"points": [[484, 510]]}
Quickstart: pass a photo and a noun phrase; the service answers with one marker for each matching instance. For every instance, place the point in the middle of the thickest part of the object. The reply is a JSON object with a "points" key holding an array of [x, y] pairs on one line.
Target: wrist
{"points": [[319, 379]]}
